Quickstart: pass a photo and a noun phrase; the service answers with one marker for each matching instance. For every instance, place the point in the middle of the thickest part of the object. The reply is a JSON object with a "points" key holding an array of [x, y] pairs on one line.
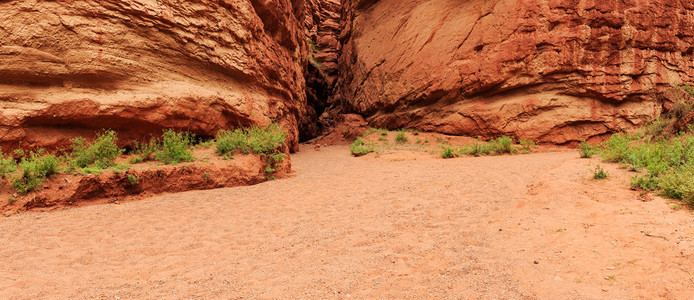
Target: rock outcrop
{"points": [[70, 68], [323, 27], [554, 71]]}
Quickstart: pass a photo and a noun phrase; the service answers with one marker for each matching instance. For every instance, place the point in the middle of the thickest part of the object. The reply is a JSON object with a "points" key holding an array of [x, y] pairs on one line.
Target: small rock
{"points": [[536, 262]]}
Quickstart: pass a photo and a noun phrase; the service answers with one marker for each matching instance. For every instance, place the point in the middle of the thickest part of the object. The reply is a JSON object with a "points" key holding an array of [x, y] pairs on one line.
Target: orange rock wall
{"points": [[71, 67], [553, 70]]}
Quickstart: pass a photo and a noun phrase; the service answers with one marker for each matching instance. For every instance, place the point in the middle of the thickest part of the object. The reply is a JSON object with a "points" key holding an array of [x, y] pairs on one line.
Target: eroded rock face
{"points": [[69, 68], [554, 71], [322, 30]]}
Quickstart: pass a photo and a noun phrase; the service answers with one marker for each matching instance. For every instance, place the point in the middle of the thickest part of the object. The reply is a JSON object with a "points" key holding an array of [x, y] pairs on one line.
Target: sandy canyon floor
{"points": [[524, 226]]}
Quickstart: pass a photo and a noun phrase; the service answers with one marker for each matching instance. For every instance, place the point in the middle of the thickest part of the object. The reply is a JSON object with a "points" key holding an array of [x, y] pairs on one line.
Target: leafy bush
{"points": [[527, 146], [102, 152], [35, 169], [478, 148], [401, 138], [254, 140], [666, 164], [599, 173], [7, 165], [586, 150], [503, 145], [146, 151], [449, 152], [359, 147], [133, 180], [175, 147]]}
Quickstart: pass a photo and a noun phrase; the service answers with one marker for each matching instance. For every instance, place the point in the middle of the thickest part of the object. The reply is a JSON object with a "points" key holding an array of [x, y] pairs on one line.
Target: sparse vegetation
{"points": [[7, 165], [359, 147], [449, 152], [527, 146], [264, 141], [254, 140], [133, 180], [146, 151], [401, 138], [175, 147], [503, 145], [599, 173], [35, 169], [102, 153], [586, 150]]}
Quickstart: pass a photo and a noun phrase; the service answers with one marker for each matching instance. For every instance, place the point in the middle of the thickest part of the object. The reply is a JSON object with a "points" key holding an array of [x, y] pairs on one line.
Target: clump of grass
{"points": [[381, 131], [254, 140], [478, 148], [502, 145], [527, 146], [449, 152], [665, 163], [133, 180], [264, 141], [146, 151], [599, 173], [586, 150], [401, 138], [35, 169], [359, 147], [101, 153], [175, 147], [7, 165]]}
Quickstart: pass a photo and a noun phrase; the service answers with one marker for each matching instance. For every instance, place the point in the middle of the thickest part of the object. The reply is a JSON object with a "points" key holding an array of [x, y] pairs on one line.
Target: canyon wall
{"points": [[553, 70], [70, 68]]}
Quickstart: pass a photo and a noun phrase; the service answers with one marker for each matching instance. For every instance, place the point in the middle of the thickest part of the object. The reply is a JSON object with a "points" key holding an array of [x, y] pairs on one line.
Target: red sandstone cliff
{"points": [[554, 71], [69, 68]]}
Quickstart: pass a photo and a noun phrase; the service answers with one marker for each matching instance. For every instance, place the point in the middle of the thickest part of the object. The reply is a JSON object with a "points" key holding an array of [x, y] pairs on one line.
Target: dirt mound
{"points": [[146, 179]]}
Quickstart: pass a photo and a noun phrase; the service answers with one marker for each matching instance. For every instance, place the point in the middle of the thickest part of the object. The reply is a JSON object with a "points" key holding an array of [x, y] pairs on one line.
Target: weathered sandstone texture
{"points": [[322, 25], [70, 67], [550, 70]]}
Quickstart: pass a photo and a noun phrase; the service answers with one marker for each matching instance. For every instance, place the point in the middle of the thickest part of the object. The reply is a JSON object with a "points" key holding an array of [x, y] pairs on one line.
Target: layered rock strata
{"points": [[70, 68], [554, 71]]}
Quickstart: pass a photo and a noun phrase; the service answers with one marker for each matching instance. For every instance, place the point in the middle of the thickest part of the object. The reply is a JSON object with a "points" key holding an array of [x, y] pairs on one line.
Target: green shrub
{"points": [[175, 147], [682, 106], [448, 152], [527, 146], [503, 145], [254, 140], [381, 131], [359, 147], [7, 165], [102, 152], [146, 151], [35, 169], [401, 138], [133, 180], [478, 148], [599, 173], [586, 150]]}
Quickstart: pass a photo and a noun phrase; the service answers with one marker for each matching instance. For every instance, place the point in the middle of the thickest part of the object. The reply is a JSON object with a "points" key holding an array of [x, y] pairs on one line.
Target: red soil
{"points": [[208, 171], [524, 226]]}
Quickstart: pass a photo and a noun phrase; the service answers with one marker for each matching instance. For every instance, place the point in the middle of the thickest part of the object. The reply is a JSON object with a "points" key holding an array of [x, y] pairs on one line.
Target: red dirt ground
{"points": [[524, 226]]}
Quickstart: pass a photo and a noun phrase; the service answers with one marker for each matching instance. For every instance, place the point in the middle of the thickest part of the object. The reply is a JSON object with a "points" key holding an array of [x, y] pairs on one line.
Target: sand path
{"points": [[527, 226]]}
